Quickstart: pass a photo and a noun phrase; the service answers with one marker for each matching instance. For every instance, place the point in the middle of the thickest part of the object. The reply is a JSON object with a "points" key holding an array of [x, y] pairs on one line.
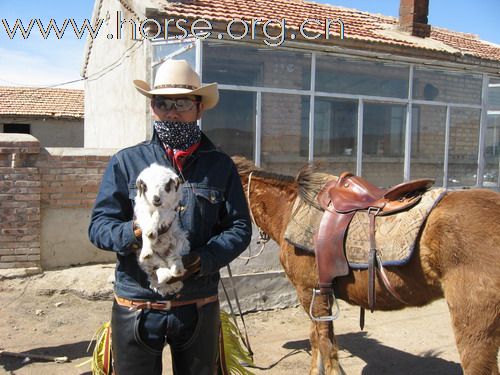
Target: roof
{"points": [[358, 25], [41, 102]]}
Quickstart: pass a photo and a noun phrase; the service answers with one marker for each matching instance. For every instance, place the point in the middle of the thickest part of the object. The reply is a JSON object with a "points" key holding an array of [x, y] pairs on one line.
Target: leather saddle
{"points": [[340, 199]]}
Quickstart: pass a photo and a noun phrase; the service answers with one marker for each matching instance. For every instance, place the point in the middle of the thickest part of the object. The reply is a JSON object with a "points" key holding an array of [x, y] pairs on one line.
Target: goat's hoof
{"points": [[145, 255], [163, 275]]}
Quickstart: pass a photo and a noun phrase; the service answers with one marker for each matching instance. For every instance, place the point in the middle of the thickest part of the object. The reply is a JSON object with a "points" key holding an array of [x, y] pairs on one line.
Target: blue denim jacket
{"points": [[213, 211]]}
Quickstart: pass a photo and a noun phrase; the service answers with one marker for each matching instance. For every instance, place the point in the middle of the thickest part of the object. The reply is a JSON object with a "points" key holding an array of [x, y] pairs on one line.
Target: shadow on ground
{"points": [[382, 359], [72, 351]]}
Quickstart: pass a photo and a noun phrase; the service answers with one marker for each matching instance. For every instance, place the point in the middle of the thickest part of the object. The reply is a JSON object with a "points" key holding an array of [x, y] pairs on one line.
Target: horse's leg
{"points": [[324, 349], [475, 317], [316, 365]]}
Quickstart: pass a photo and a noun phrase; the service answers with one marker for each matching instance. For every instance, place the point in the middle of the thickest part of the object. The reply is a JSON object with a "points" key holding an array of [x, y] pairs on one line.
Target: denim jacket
{"points": [[213, 211]]}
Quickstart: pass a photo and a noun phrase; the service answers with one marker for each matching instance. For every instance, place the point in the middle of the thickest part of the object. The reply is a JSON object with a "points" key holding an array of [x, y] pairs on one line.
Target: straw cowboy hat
{"points": [[176, 77]]}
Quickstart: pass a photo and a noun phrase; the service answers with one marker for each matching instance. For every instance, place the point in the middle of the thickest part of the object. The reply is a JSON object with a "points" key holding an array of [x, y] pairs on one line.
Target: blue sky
{"points": [[36, 61]]}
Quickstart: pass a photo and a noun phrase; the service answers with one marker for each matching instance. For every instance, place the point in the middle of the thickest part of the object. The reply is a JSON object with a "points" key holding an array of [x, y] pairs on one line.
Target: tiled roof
{"points": [[41, 102], [358, 25]]}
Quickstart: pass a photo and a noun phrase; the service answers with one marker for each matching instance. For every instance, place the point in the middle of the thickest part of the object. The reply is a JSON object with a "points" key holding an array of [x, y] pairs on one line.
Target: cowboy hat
{"points": [[176, 77]]}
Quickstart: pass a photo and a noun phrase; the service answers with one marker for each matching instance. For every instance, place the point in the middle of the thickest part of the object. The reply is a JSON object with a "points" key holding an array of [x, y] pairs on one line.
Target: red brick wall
{"points": [[70, 181], [32, 179]]}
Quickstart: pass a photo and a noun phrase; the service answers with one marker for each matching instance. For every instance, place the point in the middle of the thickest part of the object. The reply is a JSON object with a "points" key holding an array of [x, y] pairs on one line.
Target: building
{"points": [[386, 98], [53, 116]]}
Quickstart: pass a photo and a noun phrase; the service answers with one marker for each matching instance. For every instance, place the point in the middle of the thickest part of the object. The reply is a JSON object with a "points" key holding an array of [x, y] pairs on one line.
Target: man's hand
{"points": [[192, 265]]}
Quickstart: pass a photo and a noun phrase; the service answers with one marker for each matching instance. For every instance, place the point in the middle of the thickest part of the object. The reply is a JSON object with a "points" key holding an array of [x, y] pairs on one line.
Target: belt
{"points": [[162, 305]]}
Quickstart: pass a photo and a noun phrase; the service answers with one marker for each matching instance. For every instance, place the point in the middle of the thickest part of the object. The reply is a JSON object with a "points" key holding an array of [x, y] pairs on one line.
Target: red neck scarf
{"points": [[178, 156]]}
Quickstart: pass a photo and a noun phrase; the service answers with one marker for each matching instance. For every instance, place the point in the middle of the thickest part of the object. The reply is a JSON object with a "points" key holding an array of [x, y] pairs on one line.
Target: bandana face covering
{"points": [[178, 135]]}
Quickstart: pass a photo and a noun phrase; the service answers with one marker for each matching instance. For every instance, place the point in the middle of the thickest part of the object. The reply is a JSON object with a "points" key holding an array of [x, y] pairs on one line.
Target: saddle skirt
{"points": [[395, 234]]}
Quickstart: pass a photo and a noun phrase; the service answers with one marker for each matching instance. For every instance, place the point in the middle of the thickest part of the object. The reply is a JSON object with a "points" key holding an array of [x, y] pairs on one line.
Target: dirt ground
{"points": [[51, 314]]}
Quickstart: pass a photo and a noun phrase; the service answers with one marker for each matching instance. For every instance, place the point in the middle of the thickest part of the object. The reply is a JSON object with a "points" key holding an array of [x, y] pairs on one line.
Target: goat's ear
{"points": [[141, 187]]}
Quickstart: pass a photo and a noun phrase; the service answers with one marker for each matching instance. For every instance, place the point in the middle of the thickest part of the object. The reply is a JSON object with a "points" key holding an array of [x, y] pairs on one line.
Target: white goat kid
{"points": [[163, 241]]}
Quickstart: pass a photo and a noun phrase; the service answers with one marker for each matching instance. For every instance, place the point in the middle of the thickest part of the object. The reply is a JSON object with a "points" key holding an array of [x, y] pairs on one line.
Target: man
{"points": [[213, 211]]}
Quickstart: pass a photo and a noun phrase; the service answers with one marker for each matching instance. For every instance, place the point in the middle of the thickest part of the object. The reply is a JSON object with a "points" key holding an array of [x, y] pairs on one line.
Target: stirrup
{"points": [[326, 318]]}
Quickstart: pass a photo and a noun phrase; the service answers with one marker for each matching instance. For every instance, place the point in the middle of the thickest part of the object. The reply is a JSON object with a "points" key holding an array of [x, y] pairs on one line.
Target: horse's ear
{"points": [[141, 187]]}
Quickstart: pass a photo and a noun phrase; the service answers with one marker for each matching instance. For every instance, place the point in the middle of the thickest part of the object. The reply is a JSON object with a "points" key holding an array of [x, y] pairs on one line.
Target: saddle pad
{"points": [[395, 235]]}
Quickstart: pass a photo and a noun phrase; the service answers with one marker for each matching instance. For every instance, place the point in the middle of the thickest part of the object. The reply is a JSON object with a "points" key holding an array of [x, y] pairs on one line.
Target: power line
{"points": [[108, 69]]}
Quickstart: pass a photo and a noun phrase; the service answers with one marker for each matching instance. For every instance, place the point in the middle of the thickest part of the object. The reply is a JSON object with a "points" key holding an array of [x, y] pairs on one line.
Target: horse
{"points": [[456, 257]]}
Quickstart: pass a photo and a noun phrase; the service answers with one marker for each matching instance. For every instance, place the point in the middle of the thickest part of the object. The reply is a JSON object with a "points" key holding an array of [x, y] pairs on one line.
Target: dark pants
{"points": [[138, 339]]}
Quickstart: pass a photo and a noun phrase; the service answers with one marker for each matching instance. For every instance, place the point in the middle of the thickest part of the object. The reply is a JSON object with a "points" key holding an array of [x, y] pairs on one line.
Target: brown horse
{"points": [[457, 258]]}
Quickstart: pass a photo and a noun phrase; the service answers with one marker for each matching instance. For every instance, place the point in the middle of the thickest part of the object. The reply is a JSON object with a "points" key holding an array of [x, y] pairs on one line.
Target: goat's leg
{"points": [[163, 274], [149, 229], [153, 226], [177, 268], [175, 264], [147, 249]]}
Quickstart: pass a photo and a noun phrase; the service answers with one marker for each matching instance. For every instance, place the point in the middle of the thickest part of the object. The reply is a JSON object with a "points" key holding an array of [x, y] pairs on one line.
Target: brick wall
{"points": [[33, 179], [69, 181], [19, 202]]}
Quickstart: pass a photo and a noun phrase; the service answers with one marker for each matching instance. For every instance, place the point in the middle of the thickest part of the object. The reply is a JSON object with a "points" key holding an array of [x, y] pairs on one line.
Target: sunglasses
{"points": [[180, 104]]}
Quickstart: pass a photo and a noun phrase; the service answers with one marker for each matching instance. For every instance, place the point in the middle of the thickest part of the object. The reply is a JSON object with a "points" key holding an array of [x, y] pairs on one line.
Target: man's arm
{"points": [[236, 230], [111, 225]]}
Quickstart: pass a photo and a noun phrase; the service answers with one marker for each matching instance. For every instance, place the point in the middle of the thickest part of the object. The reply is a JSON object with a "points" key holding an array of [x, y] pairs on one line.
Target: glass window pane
{"points": [[492, 150], [464, 144], [285, 124], [335, 130], [231, 124], [447, 86], [164, 49], [428, 142], [251, 66], [383, 143], [361, 77], [494, 95]]}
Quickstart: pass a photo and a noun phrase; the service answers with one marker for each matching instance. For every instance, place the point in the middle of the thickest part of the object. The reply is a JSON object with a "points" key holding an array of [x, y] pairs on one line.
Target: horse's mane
{"points": [[310, 181], [245, 167]]}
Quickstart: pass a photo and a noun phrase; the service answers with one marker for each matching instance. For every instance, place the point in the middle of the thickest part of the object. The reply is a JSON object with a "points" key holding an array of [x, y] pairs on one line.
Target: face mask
{"points": [[178, 135]]}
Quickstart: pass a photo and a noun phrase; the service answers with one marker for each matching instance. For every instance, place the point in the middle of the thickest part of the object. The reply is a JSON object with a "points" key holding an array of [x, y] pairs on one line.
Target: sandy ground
{"points": [[51, 314]]}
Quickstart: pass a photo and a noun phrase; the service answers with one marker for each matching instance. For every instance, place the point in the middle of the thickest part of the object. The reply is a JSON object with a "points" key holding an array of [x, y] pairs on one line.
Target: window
{"points": [[464, 144], [17, 128], [447, 86], [383, 143], [231, 124], [492, 150], [361, 77], [249, 66], [176, 51], [285, 124], [335, 134], [428, 142]]}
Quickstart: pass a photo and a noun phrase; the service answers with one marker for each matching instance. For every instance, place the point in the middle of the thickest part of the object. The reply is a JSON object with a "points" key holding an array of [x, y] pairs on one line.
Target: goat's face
{"points": [[159, 186]]}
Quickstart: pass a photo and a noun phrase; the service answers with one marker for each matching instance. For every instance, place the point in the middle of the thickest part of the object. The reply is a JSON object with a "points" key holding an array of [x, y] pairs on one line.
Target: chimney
{"points": [[413, 17]]}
